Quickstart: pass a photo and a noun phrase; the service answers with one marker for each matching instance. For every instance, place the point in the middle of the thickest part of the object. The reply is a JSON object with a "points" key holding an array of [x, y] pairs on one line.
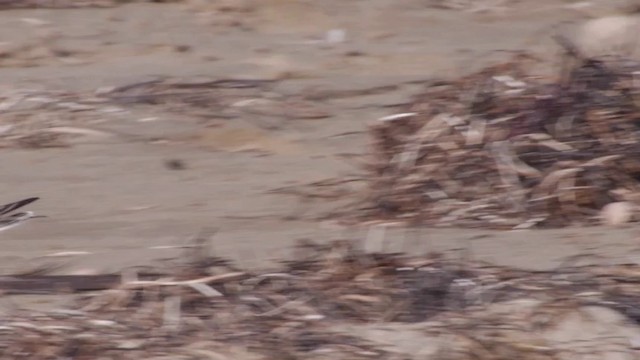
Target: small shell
{"points": [[616, 213]]}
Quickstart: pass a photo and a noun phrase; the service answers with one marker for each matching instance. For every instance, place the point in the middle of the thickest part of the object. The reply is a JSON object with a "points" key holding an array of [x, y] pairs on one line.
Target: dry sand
{"points": [[117, 199]]}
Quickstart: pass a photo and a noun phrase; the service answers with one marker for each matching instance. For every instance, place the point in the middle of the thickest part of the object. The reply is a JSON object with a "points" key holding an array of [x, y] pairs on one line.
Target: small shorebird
{"points": [[8, 219]]}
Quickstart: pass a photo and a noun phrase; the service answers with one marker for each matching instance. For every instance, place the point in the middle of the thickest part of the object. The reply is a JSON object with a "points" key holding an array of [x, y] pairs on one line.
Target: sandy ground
{"points": [[118, 200]]}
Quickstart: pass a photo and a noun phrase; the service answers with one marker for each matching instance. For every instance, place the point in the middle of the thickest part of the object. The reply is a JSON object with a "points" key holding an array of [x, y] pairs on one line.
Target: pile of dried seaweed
{"points": [[503, 149], [318, 305]]}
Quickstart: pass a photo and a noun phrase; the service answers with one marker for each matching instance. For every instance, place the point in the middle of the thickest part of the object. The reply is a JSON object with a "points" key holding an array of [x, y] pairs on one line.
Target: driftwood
{"points": [[51, 284], [54, 284]]}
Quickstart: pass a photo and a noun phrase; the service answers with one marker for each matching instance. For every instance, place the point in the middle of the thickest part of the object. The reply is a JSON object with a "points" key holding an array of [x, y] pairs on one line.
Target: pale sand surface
{"points": [[117, 199]]}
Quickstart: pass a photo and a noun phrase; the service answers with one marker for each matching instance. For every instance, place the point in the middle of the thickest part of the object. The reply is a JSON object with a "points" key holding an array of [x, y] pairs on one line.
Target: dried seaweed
{"points": [[37, 119], [65, 4], [228, 96], [504, 149], [207, 308]]}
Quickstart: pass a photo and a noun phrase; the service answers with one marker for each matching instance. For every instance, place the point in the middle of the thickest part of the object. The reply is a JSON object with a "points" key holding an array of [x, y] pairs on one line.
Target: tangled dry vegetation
{"points": [[504, 149], [47, 118], [328, 301]]}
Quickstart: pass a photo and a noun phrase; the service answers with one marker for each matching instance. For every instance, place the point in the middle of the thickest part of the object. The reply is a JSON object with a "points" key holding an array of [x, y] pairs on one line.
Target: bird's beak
{"points": [[39, 216]]}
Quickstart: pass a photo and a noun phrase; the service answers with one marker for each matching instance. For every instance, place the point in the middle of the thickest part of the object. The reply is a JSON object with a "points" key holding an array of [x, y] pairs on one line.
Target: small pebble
{"points": [[175, 164]]}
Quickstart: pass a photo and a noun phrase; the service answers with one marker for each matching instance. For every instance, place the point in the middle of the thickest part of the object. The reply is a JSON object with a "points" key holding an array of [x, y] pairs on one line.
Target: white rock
{"points": [[616, 213], [609, 35]]}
